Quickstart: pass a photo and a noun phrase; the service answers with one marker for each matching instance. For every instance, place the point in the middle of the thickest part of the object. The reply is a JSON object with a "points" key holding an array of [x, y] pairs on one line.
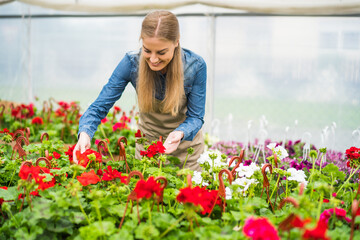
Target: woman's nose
{"points": [[154, 59]]}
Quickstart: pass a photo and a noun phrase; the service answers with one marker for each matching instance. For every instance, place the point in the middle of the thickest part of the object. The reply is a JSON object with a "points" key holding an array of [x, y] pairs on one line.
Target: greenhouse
{"points": [[175, 119]]}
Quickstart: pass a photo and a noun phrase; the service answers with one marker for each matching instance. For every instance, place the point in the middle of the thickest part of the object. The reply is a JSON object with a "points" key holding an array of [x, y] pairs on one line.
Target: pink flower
{"points": [[339, 212], [260, 229], [120, 126]]}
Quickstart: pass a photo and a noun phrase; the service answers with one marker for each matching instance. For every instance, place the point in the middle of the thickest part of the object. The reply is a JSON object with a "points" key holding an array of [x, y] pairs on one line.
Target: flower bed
{"points": [[280, 193]]}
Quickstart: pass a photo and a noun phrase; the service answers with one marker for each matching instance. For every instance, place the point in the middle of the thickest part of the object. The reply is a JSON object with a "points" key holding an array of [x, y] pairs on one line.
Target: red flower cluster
{"points": [[116, 110], [83, 158], [23, 111], [353, 154], [98, 140], [66, 106], [145, 189], [56, 155], [199, 197], [138, 134], [70, 153], [318, 232], [33, 193], [34, 172], [87, 178], [37, 121], [260, 229], [125, 119], [5, 130], [153, 149], [111, 174], [120, 126], [339, 212], [104, 120]]}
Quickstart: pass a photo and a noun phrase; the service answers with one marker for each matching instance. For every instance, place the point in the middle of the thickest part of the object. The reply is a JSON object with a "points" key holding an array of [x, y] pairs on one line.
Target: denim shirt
{"points": [[127, 72]]}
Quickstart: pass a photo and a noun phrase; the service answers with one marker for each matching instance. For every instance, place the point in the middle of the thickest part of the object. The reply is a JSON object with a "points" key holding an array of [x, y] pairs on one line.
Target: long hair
{"points": [[163, 25]]}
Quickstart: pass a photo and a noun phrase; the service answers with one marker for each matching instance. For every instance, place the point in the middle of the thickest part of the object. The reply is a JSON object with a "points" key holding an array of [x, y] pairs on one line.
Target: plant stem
{"points": [[102, 131], [144, 168], [320, 204], [277, 182], [149, 210], [172, 226], [160, 167], [82, 209], [12, 177], [347, 180], [187, 155], [286, 187]]}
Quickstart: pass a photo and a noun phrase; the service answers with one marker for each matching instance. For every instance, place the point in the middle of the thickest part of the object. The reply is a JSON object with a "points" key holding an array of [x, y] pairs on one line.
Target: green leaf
{"points": [[162, 220], [333, 170], [146, 231], [237, 215], [97, 229], [173, 160], [10, 194]]}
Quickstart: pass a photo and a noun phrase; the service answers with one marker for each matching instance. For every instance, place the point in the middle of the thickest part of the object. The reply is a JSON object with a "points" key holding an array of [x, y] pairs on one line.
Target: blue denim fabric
{"points": [[127, 71]]}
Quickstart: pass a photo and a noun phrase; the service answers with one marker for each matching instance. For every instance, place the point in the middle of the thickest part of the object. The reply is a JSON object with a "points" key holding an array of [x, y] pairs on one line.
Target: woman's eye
{"points": [[147, 51], [161, 53]]}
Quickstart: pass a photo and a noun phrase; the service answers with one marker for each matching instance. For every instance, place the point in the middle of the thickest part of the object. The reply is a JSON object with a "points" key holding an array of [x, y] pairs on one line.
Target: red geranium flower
{"points": [[83, 158], [353, 154], [153, 149], [138, 134], [5, 130], [56, 155], [23, 111], [198, 197], [111, 174], [33, 193], [35, 172], [319, 232], [87, 178], [145, 189], [64, 105], [339, 212], [70, 153], [104, 120], [260, 228], [125, 119], [37, 120], [120, 126], [116, 109]]}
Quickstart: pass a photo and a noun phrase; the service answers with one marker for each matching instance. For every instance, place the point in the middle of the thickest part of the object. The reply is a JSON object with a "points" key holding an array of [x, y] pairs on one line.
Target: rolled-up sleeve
{"points": [[109, 94], [195, 105]]}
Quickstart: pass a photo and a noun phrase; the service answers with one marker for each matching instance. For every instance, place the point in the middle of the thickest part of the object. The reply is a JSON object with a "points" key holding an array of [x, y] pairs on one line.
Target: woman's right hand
{"points": [[83, 143]]}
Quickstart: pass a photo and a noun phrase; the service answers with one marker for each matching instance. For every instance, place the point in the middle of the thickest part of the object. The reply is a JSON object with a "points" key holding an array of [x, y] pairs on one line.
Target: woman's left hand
{"points": [[172, 141]]}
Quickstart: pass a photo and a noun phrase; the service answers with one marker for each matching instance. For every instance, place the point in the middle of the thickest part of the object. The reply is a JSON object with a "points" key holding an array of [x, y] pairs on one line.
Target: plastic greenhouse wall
{"points": [[295, 77]]}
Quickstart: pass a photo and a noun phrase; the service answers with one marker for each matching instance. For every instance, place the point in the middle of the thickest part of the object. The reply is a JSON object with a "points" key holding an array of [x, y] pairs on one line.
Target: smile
{"points": [[155, 64]]}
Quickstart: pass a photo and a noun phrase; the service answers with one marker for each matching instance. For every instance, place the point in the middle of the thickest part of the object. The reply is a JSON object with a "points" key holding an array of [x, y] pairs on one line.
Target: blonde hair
{"points": [[163, 25]]}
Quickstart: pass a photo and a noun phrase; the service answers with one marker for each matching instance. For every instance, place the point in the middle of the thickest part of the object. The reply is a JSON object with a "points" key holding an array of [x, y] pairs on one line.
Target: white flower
{"points": [[271, 146], [280, 152], [245, 182], [297, 175], [246, 171], [217, 162], [197, 179], [228, 193]]}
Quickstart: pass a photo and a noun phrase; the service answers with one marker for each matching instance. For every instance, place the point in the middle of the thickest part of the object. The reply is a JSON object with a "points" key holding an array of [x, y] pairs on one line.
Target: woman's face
{"points": [[158, 53]]}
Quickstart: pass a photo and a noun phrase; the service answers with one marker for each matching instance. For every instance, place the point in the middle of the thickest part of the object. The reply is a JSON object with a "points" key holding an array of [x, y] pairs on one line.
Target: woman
{"points": [[171, 87]]}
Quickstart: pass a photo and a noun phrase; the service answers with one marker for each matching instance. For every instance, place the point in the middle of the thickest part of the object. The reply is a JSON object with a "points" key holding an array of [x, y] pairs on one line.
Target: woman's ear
{"points": [[177, 43]]}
